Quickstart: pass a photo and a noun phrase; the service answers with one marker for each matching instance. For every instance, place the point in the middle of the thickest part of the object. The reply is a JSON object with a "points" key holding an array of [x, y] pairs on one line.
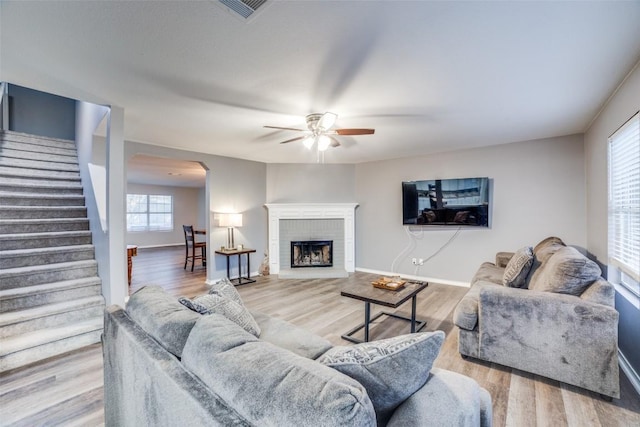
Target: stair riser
{"points": [[42, 201], [14, 188], [44, 227], [37, 140], [38, 164], [18, 180], [17, 171], [42, 298], [51, 321], [37, 148], [34, 354], [26, 213], [39, 156], [39, 277], [29, 243], [45, 258]]}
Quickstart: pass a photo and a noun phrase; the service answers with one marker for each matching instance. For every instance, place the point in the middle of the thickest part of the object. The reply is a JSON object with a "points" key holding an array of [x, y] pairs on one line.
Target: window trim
{"points": [[147, 213]]}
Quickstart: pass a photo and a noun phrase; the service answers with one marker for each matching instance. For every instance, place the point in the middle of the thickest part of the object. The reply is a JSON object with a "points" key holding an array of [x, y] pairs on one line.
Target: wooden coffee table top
{"points": [[366, 292]]}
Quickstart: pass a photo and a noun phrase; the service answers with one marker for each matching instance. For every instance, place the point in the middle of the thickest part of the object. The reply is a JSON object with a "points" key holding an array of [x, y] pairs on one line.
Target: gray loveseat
{"points": [[166, 365], [552, 315]]}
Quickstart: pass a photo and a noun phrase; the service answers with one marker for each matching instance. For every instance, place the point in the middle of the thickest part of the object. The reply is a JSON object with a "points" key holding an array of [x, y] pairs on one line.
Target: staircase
{"points": [[50, 292]]}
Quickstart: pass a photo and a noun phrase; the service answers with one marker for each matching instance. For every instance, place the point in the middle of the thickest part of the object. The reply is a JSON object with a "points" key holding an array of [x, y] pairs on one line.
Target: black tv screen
{"points": [[446, 202]]}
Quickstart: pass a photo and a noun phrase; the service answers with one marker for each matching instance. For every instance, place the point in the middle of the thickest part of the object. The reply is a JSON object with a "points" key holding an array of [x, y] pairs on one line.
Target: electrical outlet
{"points": [[414, 261]]}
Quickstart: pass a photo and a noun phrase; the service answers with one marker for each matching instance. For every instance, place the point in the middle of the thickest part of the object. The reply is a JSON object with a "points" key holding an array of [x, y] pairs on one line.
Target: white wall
{"points": [[620, 107], [311, 183], [538, 190], [186, 208]]}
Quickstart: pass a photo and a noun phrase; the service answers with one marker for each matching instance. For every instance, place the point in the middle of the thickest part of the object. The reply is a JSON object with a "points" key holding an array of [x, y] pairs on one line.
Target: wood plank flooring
{"points": [[67, 390]]}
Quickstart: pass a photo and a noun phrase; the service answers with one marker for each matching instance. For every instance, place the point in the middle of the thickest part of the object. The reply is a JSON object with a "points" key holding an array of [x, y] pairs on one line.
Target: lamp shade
{"points": [[230, 220]]}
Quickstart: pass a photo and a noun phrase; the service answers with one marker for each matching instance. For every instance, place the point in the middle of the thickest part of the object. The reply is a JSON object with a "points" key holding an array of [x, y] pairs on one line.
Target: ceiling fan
{"points": [[319, 131]]}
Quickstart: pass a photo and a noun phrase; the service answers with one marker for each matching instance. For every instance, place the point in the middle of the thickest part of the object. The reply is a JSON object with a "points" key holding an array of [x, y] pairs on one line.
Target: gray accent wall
{"points": [[622, 105], [39, 113], [537, 190]]}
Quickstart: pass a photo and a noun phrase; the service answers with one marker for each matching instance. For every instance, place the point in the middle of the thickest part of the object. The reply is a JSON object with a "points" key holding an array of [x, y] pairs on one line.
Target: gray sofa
{"points": [[552, 315], [166, 365]]}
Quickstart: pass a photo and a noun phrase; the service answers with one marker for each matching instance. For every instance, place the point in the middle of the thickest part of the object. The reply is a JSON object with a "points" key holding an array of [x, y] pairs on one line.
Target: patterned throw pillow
{"points": [[517, 269], [225, 288], [390, 370], [217, 302]]}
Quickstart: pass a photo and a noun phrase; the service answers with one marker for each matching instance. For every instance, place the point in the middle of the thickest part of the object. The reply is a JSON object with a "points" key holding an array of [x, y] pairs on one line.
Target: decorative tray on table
{"points": [[392, 284]]}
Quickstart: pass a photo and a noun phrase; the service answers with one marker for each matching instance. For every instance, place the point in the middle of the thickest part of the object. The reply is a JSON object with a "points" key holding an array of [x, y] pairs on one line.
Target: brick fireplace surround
{"points": [[311, 221]]}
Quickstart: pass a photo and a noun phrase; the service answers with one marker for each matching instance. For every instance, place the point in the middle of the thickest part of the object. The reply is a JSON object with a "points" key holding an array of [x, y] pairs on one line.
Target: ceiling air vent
{"points": [[244, 8]]}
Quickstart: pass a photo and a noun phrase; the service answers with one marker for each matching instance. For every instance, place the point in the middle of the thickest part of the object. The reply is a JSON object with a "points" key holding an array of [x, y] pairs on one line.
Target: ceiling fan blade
{"points": [[278, 127], [293, 139], [327, 120], [355, 131]]}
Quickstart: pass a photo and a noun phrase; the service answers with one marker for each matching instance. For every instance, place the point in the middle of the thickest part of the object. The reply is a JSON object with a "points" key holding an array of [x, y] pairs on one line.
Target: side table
{"points": [[230, 252]]}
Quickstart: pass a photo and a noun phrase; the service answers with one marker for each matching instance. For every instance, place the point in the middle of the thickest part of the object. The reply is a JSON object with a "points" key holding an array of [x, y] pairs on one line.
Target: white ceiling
{"points": [[428, 76], [143, 169]]}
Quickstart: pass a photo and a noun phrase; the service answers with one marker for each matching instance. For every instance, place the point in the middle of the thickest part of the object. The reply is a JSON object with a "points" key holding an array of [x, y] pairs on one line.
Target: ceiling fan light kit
{"points": [[319, 126]]}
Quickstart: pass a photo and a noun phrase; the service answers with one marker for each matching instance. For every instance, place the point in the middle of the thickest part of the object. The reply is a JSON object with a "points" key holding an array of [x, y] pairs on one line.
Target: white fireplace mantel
{"points": [[278, 211]]}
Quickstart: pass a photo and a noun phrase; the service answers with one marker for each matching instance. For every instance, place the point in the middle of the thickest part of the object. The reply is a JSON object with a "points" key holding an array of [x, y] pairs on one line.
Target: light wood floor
{"points": [[67, 390]]}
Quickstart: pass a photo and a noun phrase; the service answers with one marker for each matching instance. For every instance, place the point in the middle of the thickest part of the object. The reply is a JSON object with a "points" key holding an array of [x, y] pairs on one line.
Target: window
{"points": [[624, 205], [149, 212]]}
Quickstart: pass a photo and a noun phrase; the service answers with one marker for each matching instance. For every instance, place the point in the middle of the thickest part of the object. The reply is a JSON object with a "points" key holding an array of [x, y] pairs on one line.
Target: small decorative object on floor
{"points": [[392, 284], [264, 267]]}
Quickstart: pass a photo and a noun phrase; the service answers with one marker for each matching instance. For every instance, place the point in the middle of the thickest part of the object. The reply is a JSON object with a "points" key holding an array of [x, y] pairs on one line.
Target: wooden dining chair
{"points": [[191, 245]]}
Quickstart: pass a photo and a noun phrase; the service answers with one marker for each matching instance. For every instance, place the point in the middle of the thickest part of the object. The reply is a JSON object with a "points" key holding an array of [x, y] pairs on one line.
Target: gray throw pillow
{"points": [[390, 370], [567, 271], [220, 304], [517, 269], [225, 288]]}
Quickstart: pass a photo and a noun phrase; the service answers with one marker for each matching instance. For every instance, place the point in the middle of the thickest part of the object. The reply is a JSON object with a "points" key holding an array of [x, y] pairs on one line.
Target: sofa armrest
{"points": [[502, 258], [446, 399], [555, 335]]}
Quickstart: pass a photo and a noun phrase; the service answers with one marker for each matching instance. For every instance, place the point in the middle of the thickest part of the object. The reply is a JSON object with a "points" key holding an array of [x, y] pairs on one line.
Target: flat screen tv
{"points": [[446, 202]]}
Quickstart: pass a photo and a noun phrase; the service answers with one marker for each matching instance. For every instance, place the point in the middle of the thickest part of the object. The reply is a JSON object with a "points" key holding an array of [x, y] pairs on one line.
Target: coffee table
{"points": [[364, 291]]}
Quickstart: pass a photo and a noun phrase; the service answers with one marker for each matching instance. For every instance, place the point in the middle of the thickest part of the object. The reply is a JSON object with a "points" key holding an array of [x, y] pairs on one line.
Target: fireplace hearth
{"points": [[311, 253]]}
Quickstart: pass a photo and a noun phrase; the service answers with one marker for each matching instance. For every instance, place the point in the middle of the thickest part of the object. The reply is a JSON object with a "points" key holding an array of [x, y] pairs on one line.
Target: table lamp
{"points": [[230, 220]]}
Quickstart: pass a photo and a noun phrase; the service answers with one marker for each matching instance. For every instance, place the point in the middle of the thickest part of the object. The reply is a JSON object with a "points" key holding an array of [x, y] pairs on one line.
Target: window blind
{"points": [[624, 198]]}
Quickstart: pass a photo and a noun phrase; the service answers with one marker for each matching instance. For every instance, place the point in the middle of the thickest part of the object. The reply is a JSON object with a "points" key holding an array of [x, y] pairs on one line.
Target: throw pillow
{"points": [[216, 303], [517, 269], [225, 288], [567, 272], [390, 370]]}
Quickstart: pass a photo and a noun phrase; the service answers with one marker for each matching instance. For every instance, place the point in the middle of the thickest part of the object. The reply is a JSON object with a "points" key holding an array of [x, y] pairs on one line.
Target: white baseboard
{"points": [[420, 278], [628, 370]]}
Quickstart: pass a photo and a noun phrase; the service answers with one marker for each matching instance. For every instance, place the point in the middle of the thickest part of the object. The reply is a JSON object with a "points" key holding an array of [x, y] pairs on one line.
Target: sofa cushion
{"points": [[162, 317], [447, 399], [271, 386], [218, 303], [290, 337], [391, 369], [549, 241], [227, 289], [540, 258], [488, 272], [517, 269], [567, 272]]}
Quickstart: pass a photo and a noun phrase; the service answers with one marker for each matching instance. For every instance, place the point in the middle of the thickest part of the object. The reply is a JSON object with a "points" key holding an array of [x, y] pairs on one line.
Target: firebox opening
{"points": [[312, 253]]}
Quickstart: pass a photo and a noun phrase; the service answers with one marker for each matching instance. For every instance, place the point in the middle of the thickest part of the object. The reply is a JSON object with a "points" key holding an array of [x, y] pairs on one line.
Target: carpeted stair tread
{"points": [[48, 234], [40, 199], [43, 336], [19, 316], [40, 251], [31, 146], [6, 294], [41, 225], [45, 255], [44, 212], [21, 171], [9, 272], [19, 154], [7, 135]]}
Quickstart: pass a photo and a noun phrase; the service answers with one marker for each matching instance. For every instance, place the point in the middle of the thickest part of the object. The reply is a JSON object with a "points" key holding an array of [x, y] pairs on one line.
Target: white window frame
{"points": [[146, 212], [624, 209]]}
